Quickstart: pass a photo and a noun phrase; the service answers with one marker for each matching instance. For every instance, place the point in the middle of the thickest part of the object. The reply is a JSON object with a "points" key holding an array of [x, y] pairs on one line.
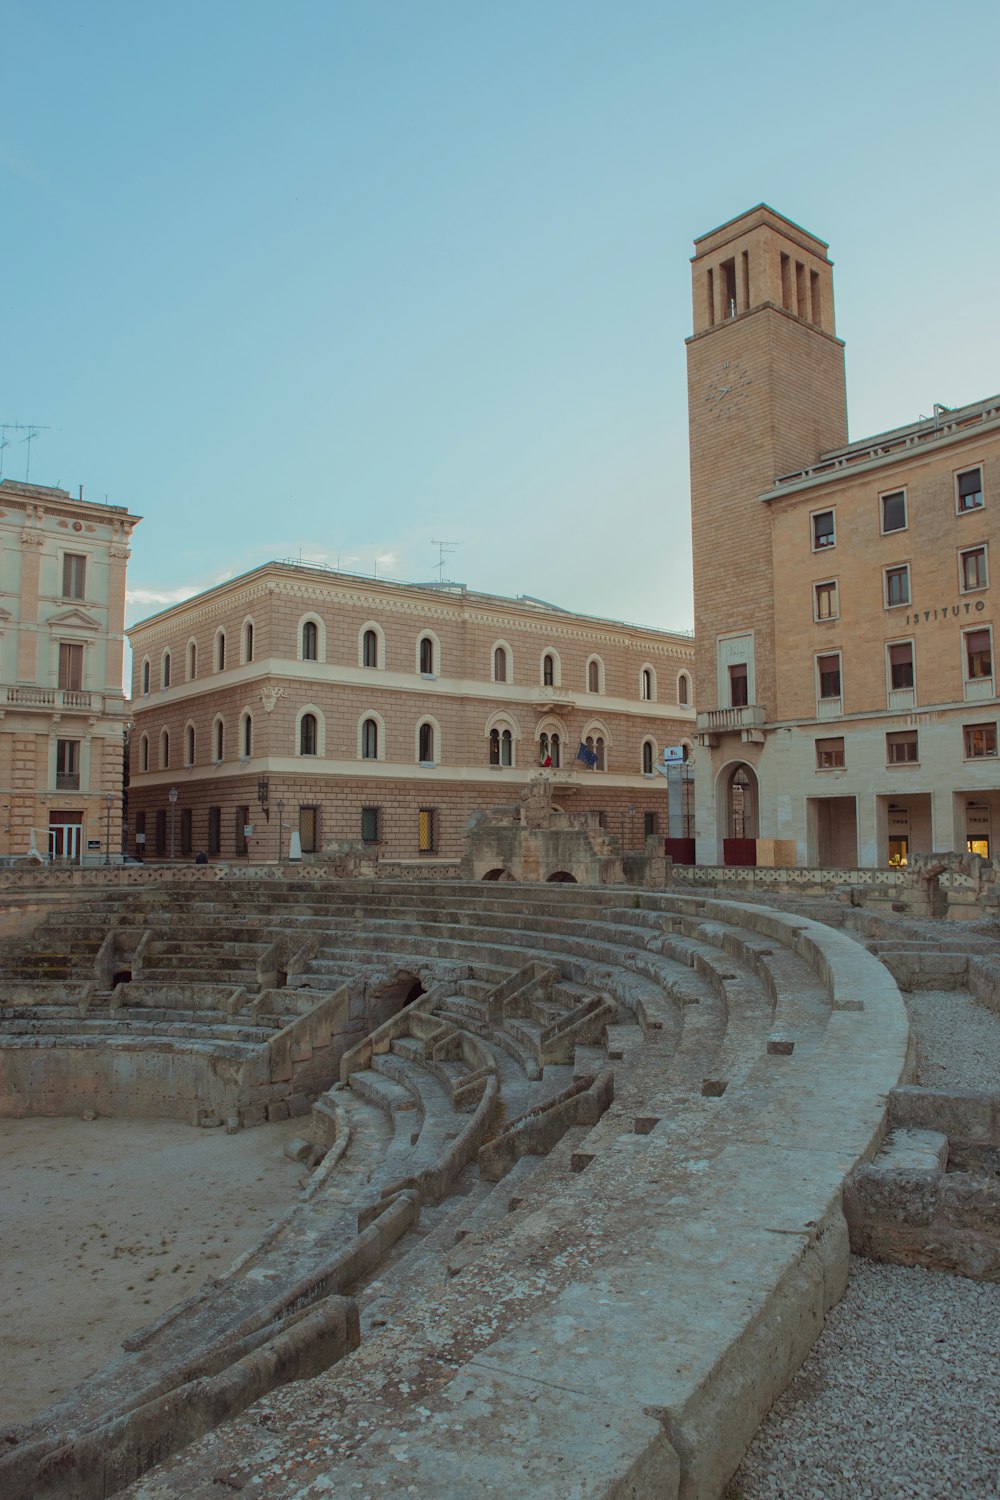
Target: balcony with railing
{"points": [[55, 698], [731, 720]]}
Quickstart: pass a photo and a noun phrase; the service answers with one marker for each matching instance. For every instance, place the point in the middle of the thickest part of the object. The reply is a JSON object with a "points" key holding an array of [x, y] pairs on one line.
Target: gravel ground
{"points": [[900, 1396], [958, 1040], [898, 1400]]}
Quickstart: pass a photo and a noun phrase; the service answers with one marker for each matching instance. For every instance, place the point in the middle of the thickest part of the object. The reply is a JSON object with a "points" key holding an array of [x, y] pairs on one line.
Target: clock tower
{"points": [[766, 396]]}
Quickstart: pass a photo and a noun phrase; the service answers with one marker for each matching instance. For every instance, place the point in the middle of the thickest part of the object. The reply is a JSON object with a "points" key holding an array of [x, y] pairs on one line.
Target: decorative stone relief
{"points": [[269, 695]]}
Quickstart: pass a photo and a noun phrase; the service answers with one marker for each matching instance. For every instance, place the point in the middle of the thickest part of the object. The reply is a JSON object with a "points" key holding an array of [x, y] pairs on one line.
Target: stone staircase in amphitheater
{"points": [[573, 1216]]}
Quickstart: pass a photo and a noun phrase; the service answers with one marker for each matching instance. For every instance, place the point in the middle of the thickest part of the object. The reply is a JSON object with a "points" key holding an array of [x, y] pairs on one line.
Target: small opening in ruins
{"points": [[122, 976], [494, 874], [414, 992], [714, 1088], [562, 877]]}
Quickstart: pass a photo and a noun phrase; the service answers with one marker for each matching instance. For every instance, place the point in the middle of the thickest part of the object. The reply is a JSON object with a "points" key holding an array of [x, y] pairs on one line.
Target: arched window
{"points": [[501, 747], [596, 745], [248, 641], [683, 689], [500, 667], [308, 735], [646, 685], [370, 649], [189, 745], [647, 758], [310, 642], [593, 677], [192, 661], [248, 735], [165, 751], [369, 740], [549, 749], [220, 739], [426, 656], [220, 651], [165, 671], [548, 669], [425, 749], [145, 677], [144, 754]]}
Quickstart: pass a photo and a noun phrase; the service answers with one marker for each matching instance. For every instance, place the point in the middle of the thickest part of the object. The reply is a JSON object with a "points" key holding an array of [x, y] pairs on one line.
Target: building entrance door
{"points": [[65, 836]]}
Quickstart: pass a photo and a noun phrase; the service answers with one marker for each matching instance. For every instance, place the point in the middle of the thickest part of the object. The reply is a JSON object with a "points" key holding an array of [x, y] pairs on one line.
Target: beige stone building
{"points": [[355, 711], [844, 611], [62, 615]]}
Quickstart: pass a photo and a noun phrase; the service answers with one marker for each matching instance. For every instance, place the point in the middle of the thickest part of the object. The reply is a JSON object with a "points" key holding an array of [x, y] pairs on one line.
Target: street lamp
{"points": [[173, 794], [108, 802], [281, 809]]}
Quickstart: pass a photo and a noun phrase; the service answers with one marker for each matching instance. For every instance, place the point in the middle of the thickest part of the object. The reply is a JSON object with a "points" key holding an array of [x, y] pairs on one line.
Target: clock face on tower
{"points": [[729, 387]]}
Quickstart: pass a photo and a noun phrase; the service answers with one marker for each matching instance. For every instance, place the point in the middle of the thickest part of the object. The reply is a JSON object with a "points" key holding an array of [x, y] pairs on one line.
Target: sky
{"points": [[343, 281]]}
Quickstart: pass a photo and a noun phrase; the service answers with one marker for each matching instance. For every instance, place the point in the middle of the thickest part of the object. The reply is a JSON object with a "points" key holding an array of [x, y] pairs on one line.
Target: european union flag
{"points": [[589, 757]]}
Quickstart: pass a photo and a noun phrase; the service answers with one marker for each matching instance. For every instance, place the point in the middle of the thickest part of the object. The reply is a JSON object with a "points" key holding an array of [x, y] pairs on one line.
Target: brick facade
{"points": [[273, 618], [832, 633], [62, 615]]}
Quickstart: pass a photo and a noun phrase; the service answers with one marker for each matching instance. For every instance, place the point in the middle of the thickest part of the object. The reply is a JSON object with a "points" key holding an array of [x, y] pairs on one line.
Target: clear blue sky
{"points": [[335, 279]]}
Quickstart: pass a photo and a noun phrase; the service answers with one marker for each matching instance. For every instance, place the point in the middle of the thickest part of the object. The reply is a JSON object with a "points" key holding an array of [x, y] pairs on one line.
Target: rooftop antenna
{"points": [[442, 547], [31, 428]]}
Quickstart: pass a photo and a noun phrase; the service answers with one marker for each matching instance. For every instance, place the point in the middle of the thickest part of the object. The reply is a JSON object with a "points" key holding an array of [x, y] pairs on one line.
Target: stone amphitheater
{"points": [[585, 1169]]}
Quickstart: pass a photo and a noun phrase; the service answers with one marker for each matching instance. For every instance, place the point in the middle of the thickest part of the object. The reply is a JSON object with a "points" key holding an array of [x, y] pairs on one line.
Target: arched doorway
{"points": [[739, 815], [562, 877]]}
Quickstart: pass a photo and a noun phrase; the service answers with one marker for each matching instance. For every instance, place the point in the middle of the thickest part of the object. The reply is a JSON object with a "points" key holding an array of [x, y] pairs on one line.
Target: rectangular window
{"points": [[899, 850], [828, 668], [140, 834], [897, 586], [825, 606], [67, 765], [823, 532], [215, 830], [980, 740], [74, 576], [70, 667], [969, 486], [309, 829], [649, 824], [369, 825], [830, 753], [426, 830], [901, 664], [978, 655], [186, 833], [161, 831], [972, 567], [241, 839], [738, 685], [901, 748], [894, 511]]}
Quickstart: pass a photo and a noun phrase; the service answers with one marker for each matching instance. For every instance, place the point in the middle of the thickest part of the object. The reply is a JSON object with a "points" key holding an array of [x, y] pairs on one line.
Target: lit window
{"points": [[894, 511], [828, 668], [969, 486], [823, 532], [426, 830], [830, 753], [74, 576], [901, 748], [901, 664], [978, 655], [973, 569], [897, 586], [308, 735], [310, 641], [980, 740], [369, 740], [825, 607]]}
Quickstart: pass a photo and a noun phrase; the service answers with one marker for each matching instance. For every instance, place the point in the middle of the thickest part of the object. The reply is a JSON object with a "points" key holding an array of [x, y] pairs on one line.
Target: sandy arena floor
{"points": [[104, 1225]]}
